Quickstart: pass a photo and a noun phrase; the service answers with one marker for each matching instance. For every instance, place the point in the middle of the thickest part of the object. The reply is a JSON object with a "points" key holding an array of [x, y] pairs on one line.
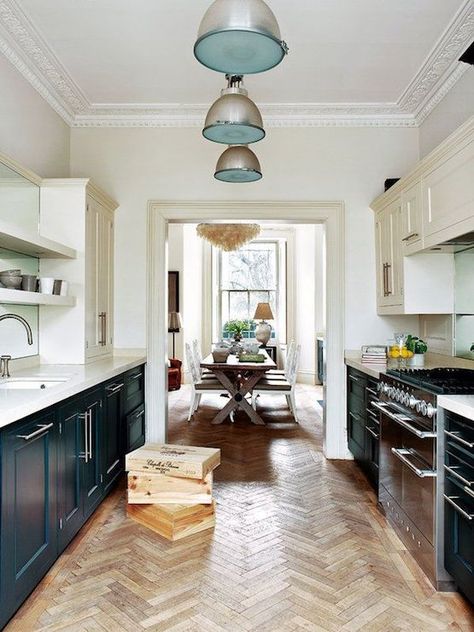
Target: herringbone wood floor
{"points": [[299, 545]]}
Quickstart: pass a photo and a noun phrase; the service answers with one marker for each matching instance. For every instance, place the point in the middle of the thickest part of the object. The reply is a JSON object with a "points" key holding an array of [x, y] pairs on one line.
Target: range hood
{"points": [[456, 244]]}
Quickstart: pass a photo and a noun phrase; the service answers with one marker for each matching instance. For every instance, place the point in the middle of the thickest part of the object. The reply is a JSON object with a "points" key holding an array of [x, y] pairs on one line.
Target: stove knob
{"points": [[406, 399], [413, 401], [431, 411], [424, 408], [399, 395]]}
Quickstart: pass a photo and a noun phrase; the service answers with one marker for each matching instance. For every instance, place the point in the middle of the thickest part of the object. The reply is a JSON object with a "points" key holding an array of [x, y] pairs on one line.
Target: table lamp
{"points": [[263, 330], [174, 325]]}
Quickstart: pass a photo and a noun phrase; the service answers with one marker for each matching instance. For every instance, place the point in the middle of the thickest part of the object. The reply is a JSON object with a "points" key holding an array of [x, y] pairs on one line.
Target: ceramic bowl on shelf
{"points": [[10, 272], [10, 281]]}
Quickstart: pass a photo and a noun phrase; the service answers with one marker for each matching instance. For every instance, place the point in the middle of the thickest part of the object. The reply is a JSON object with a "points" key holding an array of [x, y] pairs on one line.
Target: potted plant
{"points": [[418, 347], [238, 327]]}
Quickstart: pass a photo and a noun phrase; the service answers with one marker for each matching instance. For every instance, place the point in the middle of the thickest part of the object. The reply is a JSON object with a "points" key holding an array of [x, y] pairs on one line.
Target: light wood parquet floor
{"points": [[299, 546]]}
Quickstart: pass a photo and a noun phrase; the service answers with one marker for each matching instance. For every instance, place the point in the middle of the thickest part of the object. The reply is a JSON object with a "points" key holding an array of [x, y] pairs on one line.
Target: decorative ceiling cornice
{"points": [[27, 50]]}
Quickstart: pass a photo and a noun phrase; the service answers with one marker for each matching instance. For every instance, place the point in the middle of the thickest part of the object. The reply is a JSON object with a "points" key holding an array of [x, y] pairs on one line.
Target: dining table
{"points": [[238, 378]]}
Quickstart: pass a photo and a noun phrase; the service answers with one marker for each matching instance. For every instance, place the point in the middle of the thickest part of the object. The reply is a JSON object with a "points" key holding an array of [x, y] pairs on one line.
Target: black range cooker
{"points": [[411, 474]]}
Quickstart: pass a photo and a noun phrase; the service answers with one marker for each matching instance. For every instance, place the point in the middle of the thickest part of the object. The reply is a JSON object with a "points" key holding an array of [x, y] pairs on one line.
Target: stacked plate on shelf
{"points": [[11, 279]]}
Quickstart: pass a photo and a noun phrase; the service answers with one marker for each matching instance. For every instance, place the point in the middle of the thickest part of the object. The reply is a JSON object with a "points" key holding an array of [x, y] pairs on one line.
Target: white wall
{"points": [[136, 165], [305, 304], [30, 131], [456, 107]]}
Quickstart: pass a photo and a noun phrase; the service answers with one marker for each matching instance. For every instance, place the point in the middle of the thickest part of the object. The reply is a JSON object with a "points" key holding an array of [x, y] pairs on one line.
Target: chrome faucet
{"points": [[5, 359]]}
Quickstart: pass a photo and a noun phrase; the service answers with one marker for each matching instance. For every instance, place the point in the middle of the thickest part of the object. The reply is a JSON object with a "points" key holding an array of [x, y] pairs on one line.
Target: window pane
{"points": [[254, 267], [239, 309]]}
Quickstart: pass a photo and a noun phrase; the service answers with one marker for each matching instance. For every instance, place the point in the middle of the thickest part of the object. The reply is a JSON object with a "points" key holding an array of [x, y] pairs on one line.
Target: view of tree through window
{"points": [[247, 277]]}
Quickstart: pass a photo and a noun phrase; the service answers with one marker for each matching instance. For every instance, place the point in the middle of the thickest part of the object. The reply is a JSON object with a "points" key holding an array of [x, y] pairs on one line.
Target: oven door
{"points": [[407, 467]]}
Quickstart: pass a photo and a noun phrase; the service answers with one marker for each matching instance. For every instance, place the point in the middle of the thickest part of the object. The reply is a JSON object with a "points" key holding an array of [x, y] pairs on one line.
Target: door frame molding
{"points": [[331, 214]]}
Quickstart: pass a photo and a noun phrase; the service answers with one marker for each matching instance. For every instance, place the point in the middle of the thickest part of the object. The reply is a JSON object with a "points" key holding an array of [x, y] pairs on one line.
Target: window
{"points": [[256, 273]]}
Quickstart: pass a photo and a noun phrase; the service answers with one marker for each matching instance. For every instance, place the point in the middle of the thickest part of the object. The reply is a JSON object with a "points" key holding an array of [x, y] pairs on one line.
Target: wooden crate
{"points": [[174, 522], [174, 460], [146, 489]]}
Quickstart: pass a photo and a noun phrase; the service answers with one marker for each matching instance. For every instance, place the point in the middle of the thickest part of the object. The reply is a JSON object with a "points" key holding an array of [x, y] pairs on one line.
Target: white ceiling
{"points": [[140, 51], [131, 63]]}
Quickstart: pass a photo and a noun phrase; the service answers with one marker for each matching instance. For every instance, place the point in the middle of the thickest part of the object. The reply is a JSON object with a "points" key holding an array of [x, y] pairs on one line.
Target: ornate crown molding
{"points": [[25, 47]]}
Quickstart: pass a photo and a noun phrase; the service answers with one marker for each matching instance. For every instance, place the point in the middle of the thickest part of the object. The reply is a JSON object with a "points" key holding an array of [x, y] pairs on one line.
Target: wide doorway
{"points": [[162, 214]]}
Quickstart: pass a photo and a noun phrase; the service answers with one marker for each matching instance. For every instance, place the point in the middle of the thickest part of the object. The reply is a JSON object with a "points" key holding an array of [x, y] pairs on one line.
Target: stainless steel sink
{"points": [[33, 383]]}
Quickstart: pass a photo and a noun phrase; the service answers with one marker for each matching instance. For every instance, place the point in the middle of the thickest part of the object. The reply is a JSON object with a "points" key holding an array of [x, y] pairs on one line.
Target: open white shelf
{"points": [[31, 244], [19, 297]]}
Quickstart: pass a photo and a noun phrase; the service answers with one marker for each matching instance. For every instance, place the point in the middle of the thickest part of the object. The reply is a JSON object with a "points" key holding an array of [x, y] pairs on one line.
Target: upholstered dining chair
{"points": [[198, 385], [270, 386]]}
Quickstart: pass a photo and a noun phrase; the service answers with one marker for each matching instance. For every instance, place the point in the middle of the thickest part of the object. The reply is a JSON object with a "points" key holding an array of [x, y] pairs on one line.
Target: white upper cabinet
{"points": [[411, 219], [86, 218], [448, 198], [431, 205]]}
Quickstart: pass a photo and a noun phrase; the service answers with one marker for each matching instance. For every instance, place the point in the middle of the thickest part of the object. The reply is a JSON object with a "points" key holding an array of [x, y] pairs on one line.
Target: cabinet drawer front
{"points": [[356, 385], [136, 429], [448, 192], [134, 389]]}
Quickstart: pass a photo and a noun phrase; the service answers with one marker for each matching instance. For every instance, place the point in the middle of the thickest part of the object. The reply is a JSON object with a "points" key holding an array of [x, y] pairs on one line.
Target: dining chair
{"points": [[198, 385], [286, 387], [197, 354], [281, 374]]}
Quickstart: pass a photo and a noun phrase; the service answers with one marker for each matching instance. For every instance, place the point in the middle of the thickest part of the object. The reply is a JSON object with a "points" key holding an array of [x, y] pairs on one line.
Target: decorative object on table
{"points": [[46, 285], [11, 279], [220, 355], [29, 283], [234, 119], [173, 291], [250, 347], [263, 331], [374, 354], [228, 237], [238, 164], [239, 37], [239, 328], [417, 349], [174, 325], [170, 488], [252, 357]]}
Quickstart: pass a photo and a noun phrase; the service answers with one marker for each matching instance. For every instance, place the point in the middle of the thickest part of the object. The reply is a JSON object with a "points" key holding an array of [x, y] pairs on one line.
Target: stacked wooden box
{"points": [[170, 488]]}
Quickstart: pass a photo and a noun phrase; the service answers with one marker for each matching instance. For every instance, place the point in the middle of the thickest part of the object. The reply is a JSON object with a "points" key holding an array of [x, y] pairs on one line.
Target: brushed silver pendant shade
{"points": [[234, 119], [238, 164], [239, 37]]}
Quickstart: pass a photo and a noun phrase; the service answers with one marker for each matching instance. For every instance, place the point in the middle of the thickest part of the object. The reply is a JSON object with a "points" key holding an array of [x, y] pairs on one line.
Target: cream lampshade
{"points": [[174, 325], [263, 330]]}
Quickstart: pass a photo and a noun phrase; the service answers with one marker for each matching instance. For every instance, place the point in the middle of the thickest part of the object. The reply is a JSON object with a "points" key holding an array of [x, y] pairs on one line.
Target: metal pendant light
{"points": [[234, 119], [238, 164], [239, 37]]}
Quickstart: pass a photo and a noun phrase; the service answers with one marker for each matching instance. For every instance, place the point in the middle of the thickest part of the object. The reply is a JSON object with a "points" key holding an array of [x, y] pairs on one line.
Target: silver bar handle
{"points": [[41, 428], [469, 491], [354, 378], [401, 453], [422, 434], [354, 416], [136, 376], [104, 338], [389, 291], [371, 391], [84, 417], [139, 414], [451, 500], [456, 437], [374, 434], [408, 237], [385, 279], [114, 388], [89, 414], [451, 470]]}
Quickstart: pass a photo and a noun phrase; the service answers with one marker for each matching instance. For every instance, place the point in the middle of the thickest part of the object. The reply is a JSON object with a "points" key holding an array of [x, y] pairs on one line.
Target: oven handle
{"points": [[469, 491], [451, 470], [400, 454], [374, 434], [456, 437], [422, 434], [451, 500]]}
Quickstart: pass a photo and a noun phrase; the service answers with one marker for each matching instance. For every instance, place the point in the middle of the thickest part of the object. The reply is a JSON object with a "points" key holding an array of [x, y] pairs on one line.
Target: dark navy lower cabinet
{"points": [[56, 467], [28, 507], [79, 471]]}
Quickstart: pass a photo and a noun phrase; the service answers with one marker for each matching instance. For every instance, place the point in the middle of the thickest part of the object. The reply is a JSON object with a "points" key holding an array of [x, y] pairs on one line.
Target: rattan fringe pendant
{"points": [[228, 237]]}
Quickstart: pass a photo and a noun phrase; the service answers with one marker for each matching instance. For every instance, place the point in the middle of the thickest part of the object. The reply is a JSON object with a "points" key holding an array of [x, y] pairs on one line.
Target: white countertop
{"points": [[461, 404], [17, 404], [353, 359]]}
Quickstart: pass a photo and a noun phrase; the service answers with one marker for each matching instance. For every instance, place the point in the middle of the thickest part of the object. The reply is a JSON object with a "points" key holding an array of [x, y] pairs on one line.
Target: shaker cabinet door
{"points": [[113, 435], [29, 508]]}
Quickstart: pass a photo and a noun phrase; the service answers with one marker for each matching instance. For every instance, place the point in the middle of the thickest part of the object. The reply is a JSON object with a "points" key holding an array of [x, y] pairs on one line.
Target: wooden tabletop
{"points": [[233, 364]]}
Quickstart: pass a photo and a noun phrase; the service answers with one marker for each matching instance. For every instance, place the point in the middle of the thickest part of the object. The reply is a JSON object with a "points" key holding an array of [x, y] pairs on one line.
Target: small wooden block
{"points": [[173, 460], [146, 489], [174, 521]]}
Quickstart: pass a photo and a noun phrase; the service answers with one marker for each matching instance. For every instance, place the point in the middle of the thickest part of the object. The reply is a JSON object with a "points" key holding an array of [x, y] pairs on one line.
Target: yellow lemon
{"points": [[395, 352], [404, 353], [410, 354]]}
